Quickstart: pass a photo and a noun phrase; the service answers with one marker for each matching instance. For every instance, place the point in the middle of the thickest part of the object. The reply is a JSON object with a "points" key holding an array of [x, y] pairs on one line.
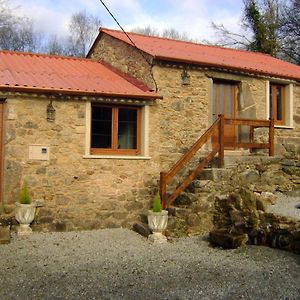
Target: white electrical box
{"points": [[39, 152]]}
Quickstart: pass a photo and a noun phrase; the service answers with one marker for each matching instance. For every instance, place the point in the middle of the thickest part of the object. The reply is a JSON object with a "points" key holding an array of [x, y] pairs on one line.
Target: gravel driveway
{"points": [[120, 264]]}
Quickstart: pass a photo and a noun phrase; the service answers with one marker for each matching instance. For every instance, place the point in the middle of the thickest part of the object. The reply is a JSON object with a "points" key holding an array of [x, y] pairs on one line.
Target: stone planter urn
{"points": [[157, 222], [24, 215]]}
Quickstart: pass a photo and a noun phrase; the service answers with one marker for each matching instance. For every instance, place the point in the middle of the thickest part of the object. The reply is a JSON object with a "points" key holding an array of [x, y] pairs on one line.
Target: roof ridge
{"points": [[45, 55], [186, 42]]}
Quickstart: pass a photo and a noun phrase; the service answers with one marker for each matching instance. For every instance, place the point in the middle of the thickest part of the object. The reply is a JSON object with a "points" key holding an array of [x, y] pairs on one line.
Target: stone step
{"points": [[232, 158], [185, 199], [214, 174]]}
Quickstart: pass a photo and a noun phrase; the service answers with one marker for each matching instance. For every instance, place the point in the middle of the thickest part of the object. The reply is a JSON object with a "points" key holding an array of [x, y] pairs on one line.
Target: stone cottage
{"points": [[92, 135], [56, 113]]}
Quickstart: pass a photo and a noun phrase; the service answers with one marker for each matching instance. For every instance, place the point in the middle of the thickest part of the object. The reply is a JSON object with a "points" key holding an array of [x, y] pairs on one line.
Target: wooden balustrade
{"points": [[255, 124], [219, 125]]}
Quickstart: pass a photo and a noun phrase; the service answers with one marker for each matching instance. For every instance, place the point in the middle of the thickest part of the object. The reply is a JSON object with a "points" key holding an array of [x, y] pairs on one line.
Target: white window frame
{"points": [[289, 88], [144, 137]]}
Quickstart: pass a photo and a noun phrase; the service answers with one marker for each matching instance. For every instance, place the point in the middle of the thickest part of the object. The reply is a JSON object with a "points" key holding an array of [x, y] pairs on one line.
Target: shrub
{"points": [[24, 194], [157, 207]]}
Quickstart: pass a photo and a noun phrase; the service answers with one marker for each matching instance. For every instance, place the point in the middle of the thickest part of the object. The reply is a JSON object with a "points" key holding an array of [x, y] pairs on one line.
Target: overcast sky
{"points": [[190, 16]]}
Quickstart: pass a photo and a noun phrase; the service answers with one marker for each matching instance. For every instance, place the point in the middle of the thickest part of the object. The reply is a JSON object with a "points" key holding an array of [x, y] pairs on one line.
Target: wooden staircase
{"points": [[217, 129]]}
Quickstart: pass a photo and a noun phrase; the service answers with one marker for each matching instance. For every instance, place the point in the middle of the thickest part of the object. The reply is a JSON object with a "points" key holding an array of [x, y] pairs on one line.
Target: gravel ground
{"points": [[286, 206], [120, 264]]}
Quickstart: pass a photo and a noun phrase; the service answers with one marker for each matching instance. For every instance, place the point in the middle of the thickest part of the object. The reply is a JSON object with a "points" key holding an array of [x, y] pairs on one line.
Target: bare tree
{"points": [[83, 30], [170, 33], [174, 34], [148, 30], [56, 46], [228, 38], [17, 33], [5, 13]]}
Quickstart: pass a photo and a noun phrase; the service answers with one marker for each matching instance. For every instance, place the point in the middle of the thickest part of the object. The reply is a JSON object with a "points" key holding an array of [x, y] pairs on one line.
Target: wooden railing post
{"points": [[251, 137], [163, 189], [221, 142], [271, 137]]}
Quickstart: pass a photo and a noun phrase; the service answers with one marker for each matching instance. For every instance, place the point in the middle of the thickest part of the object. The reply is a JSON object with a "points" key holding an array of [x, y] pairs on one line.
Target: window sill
{"points": [[284, 127], [90, 156]]}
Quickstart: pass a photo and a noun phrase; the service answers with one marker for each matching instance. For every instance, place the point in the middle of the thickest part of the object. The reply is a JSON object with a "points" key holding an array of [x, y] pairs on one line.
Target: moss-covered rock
{"points": [[238, 209]]}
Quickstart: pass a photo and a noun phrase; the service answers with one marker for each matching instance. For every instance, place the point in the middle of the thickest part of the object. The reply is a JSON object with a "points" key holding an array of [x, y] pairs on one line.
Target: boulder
{"points": [[250, 176], [269, 197], [142, 229], [227, 240], [193, 220], [260, 204], [296, 242], [238, 208]]}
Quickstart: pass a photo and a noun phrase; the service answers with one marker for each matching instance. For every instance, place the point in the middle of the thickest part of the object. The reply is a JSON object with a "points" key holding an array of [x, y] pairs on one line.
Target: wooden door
{"points": [[225, 102]]}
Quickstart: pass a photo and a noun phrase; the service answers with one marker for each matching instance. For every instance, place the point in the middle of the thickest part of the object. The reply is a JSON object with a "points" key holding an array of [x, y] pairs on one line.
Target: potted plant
{"points": [[157, 221], [25, 211]]}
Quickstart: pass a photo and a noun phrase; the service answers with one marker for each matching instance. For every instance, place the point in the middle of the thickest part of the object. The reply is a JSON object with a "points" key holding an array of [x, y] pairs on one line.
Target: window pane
{"points": [[214, 102], [279, 103], [271, 103], [230, 101], [127, 129], [222, 88], [101, 127]]}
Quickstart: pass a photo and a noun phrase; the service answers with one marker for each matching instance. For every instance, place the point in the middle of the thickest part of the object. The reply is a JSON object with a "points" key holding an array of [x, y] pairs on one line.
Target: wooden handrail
{"points": [[166, 177], [219, 125], [247, 122], [191, 152]]}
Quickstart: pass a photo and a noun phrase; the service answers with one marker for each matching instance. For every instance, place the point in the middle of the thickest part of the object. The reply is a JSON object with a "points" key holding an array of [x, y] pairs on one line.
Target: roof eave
{"points": [[165, 58], [77, 93]]}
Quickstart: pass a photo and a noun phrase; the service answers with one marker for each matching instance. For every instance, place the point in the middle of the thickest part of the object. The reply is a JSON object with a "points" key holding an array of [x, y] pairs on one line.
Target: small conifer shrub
{"points": [[24, 194], [157, 207]]}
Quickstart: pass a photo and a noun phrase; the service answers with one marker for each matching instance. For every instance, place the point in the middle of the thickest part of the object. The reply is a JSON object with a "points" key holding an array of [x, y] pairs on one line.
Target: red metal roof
{"points": [[56, 74], [187, 52]]}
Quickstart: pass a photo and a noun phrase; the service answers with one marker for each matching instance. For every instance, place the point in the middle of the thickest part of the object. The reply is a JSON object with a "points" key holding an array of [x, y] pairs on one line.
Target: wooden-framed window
{"points": [[115, 130], [277, 103]]}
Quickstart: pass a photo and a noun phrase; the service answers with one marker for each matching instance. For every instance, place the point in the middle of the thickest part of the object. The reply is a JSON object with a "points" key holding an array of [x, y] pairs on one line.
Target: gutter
{"points": [[76, 93]]}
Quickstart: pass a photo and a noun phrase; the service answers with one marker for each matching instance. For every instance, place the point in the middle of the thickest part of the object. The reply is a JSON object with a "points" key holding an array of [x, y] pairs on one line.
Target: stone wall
{"points": [[78, 193], [126, 58], [183, 111]]}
